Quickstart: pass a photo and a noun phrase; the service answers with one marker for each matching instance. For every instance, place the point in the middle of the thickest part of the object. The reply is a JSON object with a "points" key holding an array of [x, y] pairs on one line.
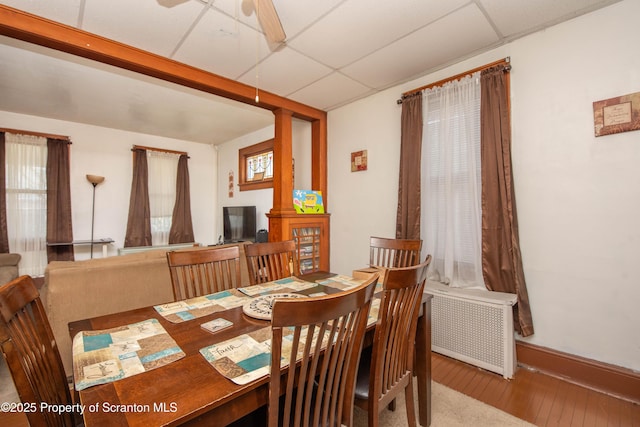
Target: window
{"points": [[256, 166], [160, 208], [26, 189], [162, 169], [452, 182]]}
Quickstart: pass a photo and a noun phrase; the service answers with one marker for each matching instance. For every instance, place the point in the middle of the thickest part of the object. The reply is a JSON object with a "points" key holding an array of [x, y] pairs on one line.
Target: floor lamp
{"points": [[94, 180]]}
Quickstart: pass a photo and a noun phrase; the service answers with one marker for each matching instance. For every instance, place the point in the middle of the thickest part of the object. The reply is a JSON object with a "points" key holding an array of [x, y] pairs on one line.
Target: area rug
{"points": [[449, 409]]}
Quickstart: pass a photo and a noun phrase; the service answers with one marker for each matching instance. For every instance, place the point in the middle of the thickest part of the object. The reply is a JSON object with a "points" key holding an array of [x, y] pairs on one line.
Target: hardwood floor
{"points": [[540, 399], [532, 396]]}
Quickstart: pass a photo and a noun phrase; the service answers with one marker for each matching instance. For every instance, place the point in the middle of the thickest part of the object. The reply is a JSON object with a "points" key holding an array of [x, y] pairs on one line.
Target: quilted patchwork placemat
{"points": [[108, 355]]}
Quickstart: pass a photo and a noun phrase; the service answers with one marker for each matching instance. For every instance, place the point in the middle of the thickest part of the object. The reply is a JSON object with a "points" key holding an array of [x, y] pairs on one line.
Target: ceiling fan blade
{"points": [[170, 3], [269, 21]]}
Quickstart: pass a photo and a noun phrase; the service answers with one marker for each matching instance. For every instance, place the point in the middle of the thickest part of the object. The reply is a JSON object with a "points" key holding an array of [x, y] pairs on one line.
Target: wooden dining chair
{"points": [[317, 384], [391, 253], [271, 261], [32, 356], [386, 368], [200, 272]]}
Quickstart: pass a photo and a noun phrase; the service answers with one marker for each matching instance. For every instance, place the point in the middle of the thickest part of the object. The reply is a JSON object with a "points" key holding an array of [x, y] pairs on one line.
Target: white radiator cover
{"points": [[474, 326]]}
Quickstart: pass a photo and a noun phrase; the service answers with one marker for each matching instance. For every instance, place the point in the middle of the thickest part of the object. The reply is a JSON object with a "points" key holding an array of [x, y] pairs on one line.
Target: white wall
{"points": [[228, 162], [107, 152], [578, 196], [262, 199]]}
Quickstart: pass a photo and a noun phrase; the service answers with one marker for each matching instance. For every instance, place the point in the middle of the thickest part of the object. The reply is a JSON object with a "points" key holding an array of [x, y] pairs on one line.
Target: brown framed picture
{"points": [[615, 115]]}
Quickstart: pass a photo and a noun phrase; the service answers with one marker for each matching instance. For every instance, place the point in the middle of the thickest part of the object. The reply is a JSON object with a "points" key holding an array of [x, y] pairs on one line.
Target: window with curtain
{"points": [[451, 182], [163, 170], [160, 201], [26, 198]]}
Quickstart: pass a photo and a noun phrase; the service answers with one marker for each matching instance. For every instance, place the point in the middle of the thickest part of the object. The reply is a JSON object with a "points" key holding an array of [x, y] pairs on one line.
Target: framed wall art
{"points": [[359, 161], [615, 115]]}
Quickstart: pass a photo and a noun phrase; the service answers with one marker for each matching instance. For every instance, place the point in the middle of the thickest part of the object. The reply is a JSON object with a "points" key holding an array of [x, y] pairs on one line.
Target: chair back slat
{"points": [[31, 352], [320, 339], [198, 272], [392, 253], [271, 261]]}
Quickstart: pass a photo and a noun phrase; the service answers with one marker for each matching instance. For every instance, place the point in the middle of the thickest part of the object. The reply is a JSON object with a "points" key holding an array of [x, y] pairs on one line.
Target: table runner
{"points": [[192, 308], [287, 284], [341, 282], [108, 355]]}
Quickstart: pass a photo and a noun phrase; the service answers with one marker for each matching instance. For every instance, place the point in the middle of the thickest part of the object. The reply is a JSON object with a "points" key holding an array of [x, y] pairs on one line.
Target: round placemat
{"points": [[260, 307]]}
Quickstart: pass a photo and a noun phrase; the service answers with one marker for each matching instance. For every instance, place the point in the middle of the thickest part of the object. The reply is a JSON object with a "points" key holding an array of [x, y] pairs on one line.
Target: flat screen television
{"points": [[239, 223]]}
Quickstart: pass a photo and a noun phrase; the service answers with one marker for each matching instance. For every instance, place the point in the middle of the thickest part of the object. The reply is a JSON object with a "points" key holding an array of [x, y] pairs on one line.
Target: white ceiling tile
{"points": [[294, 15], [235, 9], [297, 15], [285, 71], [321, 93], [425, 49], [523, 16], [359, 27], [222, 45], [147, 26], [337, 51], [64, 12]]}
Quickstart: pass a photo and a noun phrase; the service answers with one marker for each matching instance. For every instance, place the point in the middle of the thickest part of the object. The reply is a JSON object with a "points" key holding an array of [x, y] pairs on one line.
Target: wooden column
{"points": [[319, 158], [283, 166]]}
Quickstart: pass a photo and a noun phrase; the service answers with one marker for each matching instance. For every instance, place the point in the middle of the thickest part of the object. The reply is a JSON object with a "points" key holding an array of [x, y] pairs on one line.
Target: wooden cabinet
{"points": [[311, 234]]}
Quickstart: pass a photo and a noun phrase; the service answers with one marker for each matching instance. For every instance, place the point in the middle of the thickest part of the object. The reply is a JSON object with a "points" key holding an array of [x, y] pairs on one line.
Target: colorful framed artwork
{"points": [[308, 201]]}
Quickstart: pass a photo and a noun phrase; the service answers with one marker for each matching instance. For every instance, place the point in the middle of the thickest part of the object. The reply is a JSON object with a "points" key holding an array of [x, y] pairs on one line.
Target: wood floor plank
{"points": [[547, 398], [519, 398], [579, 407], [560, 405], [477, 390]]}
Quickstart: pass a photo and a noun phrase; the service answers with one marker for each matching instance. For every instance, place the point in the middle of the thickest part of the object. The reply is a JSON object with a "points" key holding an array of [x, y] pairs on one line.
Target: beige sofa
{"points": [[76, 290], [9, 267]]}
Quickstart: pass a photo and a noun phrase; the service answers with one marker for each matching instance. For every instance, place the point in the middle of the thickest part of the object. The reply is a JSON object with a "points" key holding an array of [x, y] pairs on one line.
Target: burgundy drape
{"points": [[4, 235], [139, 221], [59, 227], [501, 258], [181, 224], [408, 213]]}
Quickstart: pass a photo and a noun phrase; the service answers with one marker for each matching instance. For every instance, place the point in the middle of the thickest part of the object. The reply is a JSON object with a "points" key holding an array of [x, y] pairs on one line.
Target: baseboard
{"points": [[611, 379]]}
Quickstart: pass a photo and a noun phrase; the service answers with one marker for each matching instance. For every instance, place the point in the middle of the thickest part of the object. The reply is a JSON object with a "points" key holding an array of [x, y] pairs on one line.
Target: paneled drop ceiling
{"points": [[337, 51]]}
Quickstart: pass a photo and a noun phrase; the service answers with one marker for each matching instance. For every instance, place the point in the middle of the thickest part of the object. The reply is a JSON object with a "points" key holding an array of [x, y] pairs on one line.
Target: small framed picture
{"points": [[359, 161], [616, 115]]}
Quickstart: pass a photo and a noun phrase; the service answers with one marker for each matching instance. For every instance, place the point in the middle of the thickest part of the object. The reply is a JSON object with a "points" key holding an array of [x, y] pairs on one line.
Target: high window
{"points": [[255, 165]]}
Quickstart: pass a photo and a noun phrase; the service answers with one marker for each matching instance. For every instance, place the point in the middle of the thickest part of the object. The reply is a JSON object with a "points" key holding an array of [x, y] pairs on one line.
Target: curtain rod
{"points": [[31, 133], [161, 150], [506, 61]]}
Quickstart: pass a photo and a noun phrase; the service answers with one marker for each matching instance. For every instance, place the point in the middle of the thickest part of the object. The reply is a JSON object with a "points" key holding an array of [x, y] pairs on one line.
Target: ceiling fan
{"points": [[268, 18], [265, 12]]}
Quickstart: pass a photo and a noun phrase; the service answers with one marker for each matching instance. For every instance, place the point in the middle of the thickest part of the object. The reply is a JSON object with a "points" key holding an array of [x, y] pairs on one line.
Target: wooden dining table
{"points": [[189, 391]]}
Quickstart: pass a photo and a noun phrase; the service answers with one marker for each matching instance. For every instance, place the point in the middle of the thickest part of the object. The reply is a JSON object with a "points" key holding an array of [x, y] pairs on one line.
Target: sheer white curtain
{"points": [[163, 172], [451, 200], [26, 186]]}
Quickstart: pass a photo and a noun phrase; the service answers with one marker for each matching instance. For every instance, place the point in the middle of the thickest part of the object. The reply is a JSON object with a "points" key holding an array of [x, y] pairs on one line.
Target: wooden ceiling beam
{"points": [[24, 26]]}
